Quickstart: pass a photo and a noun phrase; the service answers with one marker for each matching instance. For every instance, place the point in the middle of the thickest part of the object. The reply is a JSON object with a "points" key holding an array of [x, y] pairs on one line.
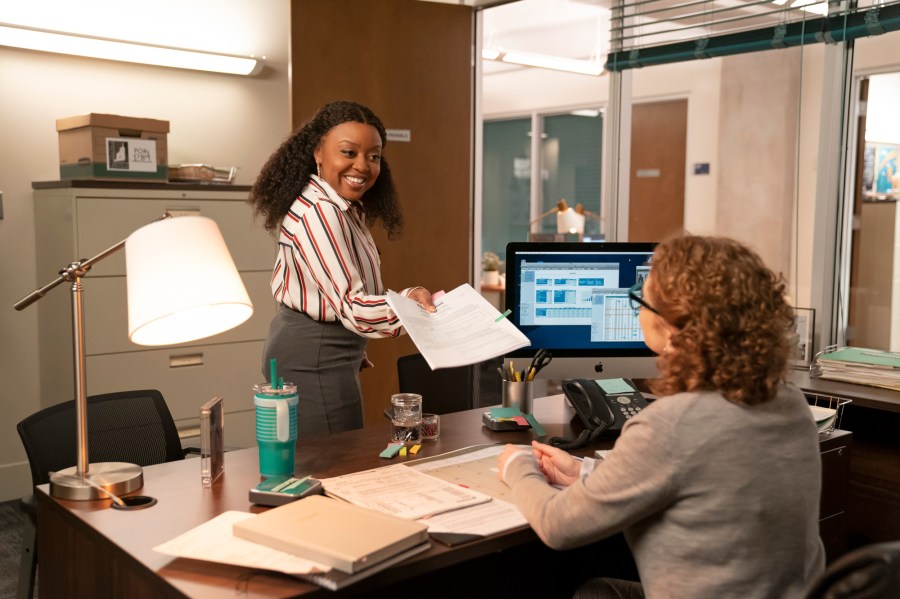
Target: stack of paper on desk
{"points": [[465, 329], [331, 532], [862, 366]]}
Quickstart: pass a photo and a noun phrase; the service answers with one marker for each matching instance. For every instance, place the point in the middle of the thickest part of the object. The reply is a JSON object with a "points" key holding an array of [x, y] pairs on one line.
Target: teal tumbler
{"points": [[276, 428]]}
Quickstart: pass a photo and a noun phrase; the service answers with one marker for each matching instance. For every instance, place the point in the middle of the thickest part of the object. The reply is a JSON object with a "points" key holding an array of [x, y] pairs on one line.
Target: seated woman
{"points": [[716, 484]]}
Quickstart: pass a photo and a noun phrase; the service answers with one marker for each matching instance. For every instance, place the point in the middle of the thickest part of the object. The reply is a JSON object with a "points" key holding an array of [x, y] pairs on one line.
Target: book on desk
{"points": [[334, 533]]}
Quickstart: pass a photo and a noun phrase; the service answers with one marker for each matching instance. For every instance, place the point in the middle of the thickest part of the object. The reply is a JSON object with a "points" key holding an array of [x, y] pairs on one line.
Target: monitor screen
{"points": [[572, 299]]}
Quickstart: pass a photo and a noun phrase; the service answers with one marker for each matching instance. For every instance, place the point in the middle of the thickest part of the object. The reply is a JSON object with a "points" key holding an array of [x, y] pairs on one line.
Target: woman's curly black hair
{"points": [[287, 171], [732, 318]]}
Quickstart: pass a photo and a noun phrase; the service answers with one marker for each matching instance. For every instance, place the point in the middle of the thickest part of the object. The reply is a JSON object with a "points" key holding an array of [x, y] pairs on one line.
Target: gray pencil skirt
{"points": [[323, 360]]}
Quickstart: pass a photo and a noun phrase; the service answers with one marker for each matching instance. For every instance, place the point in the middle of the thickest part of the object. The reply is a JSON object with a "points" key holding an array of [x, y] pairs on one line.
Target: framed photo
{"points": [[804, 329]]}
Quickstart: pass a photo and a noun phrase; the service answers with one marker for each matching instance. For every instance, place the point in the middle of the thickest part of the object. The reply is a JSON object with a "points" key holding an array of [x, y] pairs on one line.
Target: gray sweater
{"points": [[715, 499]]}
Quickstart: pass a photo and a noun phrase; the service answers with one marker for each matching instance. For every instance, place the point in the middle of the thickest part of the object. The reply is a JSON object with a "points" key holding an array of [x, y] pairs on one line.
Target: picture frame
{"points": [[804, 335]]}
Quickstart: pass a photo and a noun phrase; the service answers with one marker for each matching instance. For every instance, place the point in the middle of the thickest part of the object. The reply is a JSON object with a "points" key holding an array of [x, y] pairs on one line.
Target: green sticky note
{"points": [[391, 450], [615, 386], [505, 413], [535, 425]]}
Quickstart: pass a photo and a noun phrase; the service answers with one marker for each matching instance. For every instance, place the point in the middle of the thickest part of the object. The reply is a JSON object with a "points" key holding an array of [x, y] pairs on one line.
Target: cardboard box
{"points": [[112, 147]]}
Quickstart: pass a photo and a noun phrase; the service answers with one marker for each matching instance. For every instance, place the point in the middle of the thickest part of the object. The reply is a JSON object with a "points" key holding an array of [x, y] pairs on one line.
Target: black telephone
{"points": [[603, 405]]}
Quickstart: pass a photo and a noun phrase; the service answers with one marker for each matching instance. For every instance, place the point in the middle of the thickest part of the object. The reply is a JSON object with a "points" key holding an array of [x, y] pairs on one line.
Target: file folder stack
{"points": [[861, 366]]}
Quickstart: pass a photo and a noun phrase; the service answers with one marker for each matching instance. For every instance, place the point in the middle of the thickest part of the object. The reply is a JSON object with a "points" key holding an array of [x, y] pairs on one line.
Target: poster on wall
{"points": [[887, 177]]}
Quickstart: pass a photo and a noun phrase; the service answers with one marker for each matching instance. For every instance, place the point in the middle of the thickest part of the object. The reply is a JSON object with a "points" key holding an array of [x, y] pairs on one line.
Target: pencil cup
{"points": [[276, 428], [518, 395], [406, 418]]}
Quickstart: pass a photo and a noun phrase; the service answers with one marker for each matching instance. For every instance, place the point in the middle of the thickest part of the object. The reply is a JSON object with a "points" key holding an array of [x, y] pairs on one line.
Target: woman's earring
{"points": [[319, 169]]}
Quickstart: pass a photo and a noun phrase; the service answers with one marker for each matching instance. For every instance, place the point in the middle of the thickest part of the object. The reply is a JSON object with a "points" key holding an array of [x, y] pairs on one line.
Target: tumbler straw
{"points": [[274, 381]]}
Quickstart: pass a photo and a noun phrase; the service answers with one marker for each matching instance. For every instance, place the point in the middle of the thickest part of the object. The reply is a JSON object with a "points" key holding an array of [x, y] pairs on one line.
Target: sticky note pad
{"points": [[520, 420], [403, 452], [390, 451], [497, 413], [614, 386], [415, 449]]}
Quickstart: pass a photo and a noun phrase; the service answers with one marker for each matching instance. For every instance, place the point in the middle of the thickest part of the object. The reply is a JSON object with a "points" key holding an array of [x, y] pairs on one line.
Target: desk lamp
{"points": [[182, 285]]}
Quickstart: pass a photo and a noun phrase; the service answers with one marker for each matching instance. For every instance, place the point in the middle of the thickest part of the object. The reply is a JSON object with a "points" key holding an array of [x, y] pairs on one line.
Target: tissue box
{"points": [[112, 147]]}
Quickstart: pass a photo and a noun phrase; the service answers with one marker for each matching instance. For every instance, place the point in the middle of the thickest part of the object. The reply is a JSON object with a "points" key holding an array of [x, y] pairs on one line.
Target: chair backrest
{"points": [[870, 572], [129, 426], [448, 389]]}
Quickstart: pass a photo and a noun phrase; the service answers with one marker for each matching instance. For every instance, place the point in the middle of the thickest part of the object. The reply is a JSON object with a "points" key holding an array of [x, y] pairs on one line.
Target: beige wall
{"points": [[215, 119]]}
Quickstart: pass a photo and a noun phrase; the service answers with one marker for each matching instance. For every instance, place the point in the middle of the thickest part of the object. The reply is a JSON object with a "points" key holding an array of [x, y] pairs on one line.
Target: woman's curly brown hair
{"points": [[287, 172], [732, 318]]}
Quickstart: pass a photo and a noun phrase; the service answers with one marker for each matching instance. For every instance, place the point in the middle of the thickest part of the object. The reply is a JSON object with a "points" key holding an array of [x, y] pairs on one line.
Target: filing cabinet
{"points": [[80, 219]]}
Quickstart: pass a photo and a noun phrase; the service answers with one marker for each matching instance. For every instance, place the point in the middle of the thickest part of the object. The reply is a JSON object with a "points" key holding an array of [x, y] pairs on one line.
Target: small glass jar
{"points": [[431, 426], [406, 418]]}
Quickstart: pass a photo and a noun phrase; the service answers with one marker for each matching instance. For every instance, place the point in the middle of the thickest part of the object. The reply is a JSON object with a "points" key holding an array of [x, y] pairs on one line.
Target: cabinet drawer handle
{"points": [[183, 360], [183, 211]]}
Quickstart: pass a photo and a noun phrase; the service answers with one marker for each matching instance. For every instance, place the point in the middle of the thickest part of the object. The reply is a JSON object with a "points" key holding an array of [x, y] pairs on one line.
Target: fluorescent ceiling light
{"points": [[96, 47], [586, 112], [544, 61]]}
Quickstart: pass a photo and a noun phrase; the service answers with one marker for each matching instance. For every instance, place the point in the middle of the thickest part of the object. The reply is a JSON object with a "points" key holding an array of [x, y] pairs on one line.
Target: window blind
{"points": [[652, 32]]}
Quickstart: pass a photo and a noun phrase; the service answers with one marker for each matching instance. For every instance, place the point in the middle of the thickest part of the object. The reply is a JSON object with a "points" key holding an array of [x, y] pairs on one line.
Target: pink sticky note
{"points": [[520, 420]]}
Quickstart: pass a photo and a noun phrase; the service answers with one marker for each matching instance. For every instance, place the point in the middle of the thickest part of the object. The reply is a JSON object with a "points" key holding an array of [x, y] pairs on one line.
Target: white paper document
{"points": [[401, 491], [465, 329], [477, 469]]}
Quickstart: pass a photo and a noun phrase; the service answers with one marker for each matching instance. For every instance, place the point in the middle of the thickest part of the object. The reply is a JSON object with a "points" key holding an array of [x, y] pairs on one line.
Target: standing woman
{"points": [[319, 192], [715, 484]]}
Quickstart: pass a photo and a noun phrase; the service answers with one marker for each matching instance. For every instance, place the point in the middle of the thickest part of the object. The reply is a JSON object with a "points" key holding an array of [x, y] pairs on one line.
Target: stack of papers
{"points": [[465, 329], [824, 418], [862, 366]]}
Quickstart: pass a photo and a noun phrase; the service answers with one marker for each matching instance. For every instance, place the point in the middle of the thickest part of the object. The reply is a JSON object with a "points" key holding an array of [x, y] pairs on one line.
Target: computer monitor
{"points": [[572, 299]]}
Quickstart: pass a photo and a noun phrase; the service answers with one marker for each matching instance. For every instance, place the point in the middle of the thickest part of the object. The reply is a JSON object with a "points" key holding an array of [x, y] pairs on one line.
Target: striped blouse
{"points": [[328, 266]]}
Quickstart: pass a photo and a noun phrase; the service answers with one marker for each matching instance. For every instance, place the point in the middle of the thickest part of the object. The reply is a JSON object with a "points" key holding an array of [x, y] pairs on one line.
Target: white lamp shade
{"points": [[569, 221], [182, 282]]}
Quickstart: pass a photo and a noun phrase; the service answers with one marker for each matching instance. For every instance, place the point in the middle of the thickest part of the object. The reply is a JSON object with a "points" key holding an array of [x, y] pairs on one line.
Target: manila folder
{"points": [[333, 533]]}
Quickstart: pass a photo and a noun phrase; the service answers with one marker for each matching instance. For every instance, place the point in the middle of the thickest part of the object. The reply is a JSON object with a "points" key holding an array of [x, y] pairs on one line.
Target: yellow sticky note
{"points": [[402, 451], [415, 449]]}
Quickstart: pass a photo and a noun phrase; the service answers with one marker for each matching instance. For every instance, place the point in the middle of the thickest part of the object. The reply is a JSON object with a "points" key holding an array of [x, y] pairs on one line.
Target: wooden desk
{"points": [[89, 550], [873, 502]]}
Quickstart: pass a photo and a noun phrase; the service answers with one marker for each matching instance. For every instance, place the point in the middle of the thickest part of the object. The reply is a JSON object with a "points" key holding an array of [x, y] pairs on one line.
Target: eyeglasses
{"points": [[636, 297]]}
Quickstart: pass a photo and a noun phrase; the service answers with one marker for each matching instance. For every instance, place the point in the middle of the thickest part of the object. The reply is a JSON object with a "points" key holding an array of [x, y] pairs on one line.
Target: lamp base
{"points": [[119, 478]]}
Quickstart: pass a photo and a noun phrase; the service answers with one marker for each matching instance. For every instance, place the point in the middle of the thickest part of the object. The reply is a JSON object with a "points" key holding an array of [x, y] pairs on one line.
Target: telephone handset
{"points": [[604, 405]]}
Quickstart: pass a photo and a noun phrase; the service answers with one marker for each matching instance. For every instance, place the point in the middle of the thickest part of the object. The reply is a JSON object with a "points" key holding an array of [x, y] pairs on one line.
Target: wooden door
{"points": [[411, 63], [658, 156]]}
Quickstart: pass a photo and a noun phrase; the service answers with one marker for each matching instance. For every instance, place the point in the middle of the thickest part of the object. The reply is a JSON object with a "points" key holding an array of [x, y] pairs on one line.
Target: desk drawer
{"points": [[102, 222], [835, 477], [106, 315], [229, 370]]}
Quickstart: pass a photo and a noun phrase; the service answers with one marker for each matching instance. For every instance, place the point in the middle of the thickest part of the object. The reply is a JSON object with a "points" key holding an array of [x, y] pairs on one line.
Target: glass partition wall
{"points": [[772, 157]]}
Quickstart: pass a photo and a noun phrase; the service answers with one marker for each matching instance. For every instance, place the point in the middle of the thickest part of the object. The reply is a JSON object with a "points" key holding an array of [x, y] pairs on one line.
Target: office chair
{"points": [[129, 426], [450, 389], [870, 572]]}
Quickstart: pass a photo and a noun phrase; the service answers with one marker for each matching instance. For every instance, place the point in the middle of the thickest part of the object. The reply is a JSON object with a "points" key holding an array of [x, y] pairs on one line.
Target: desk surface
{"points": [[864, 396], [118, 545]]}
